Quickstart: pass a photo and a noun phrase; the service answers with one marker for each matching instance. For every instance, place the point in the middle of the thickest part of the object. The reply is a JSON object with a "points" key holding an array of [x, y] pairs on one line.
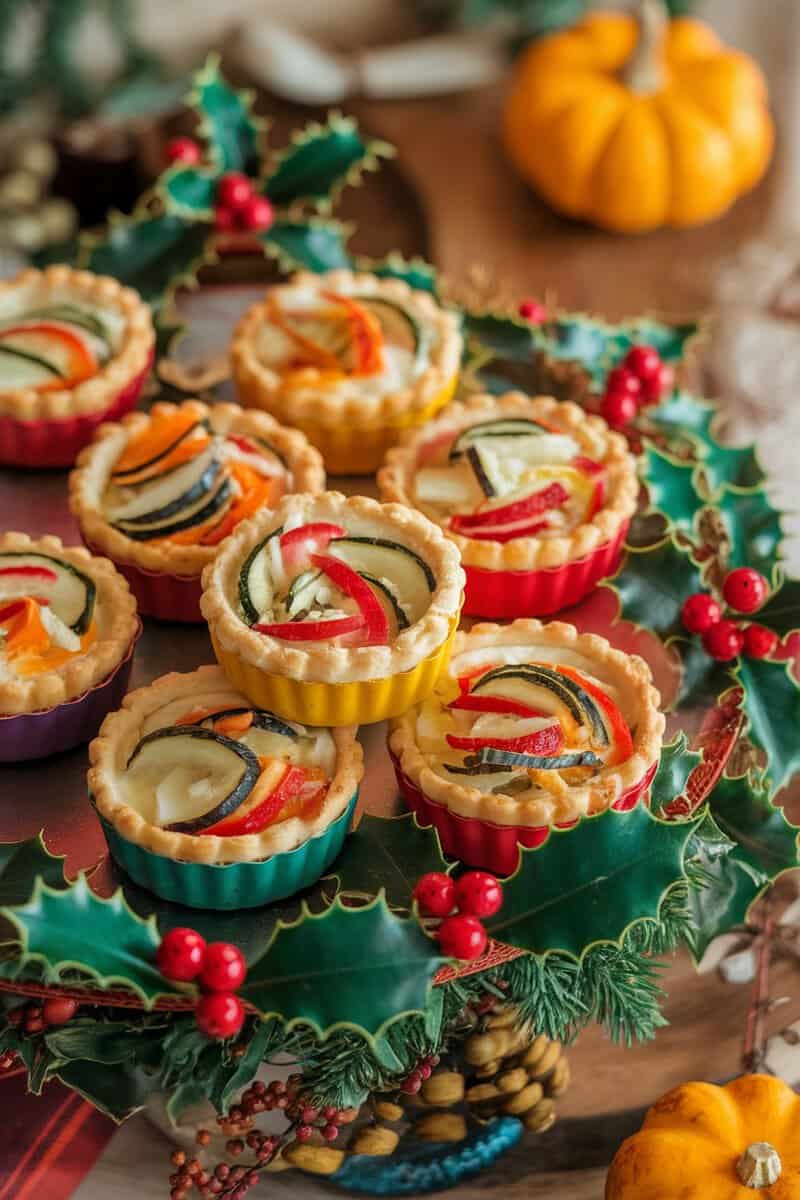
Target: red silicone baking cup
{"points": [[505, 595], [482, 843], [167, 597], [58, 443]]}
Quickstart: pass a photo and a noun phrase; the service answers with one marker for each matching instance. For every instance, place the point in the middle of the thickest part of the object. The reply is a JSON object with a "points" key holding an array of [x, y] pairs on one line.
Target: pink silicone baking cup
{"points": [[505, 595], [58, 443], [483, 844], [167, 597]]}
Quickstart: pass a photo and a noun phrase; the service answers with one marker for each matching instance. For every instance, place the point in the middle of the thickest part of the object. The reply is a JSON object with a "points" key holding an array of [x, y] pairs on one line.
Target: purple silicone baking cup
{"points": [[53, 730]]}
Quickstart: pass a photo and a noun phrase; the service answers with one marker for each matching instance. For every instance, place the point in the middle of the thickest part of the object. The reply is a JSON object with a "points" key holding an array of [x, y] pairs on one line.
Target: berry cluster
{"points": [[33, 1018], [744, 591], [218, 967], [640, 380], [532, 310], [239, 207], [422, 1071], [474, 896]]}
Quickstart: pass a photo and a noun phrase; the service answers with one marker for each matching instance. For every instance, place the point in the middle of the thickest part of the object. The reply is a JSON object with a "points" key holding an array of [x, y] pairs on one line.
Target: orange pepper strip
{"points": [[183, 452], [153, 441], [313, 354], [25, 633], [233, 725], [197, 714], [257, 493], [82, 363], [366, 332]]}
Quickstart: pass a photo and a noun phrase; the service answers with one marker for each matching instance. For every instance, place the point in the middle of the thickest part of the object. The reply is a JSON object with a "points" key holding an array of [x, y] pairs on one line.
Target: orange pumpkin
{"points": [[632, 124], [701, 1142]]}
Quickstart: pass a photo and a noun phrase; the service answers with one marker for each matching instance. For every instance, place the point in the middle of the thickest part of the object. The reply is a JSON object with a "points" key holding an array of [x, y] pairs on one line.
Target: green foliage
{"points": [[359, 967], [21, 863], [389, 854], [703, 679], [782, 611], [589, 884], [653, 584], [682, 415], [671, 488], [190, 192], [227, 121], [320, 160], [417, 273], [311, 245], [772, 707], [153, 254], [753, 528], [598, 347], [675, 766]]}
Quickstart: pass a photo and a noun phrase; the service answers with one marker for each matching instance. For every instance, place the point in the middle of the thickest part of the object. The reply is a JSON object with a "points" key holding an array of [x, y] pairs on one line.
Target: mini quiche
{"points": [[537, 495], [334, 609], [533, 725], [351, 359], [68, 626], [159, 491], [212, 802], [75, 349]]}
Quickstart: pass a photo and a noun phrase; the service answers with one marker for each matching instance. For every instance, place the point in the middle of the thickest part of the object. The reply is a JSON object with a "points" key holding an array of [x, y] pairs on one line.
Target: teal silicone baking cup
{"points": [[231, 885]]}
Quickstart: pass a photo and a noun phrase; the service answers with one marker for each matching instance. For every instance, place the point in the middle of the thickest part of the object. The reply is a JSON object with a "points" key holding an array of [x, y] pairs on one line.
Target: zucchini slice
{"points": [[36, 360], [202, 511], [528, 682], [161, 498], [501, 427], [391, 604], [405, 572], [399, 326], [72, 314], [120, 476], [256, 593], [72, 594], [303, 592], [491, 760]]}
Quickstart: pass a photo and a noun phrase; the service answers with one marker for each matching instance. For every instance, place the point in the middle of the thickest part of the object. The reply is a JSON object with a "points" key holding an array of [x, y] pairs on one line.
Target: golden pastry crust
{"points": [[114, 604], [121, 730], [128, 360], [88, 480], [396, 479], [324, 662], [258, 384], [629, 673]]}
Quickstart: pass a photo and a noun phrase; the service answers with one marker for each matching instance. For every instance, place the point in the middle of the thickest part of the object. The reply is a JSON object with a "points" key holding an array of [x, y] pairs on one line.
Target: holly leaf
{"points": [[227, 121], [390, 854], [314, 245], [76, 930], [772, 709], [703, 679], [782, 611], [653, 584], [417, 273], [683, 414], [753, 527], [598, 347], [107, 1041], [675, 766], [344, 967], [190, 192], [740, 847], [671, 488], [320, 161], [504, 336], [591, 883], [22, 863], [118, 1089], [154, 255]]}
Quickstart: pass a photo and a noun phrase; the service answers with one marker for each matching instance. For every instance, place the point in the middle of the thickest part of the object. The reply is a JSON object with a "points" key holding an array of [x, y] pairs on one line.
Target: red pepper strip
{"points": [[494, 704], [31, 572], [350, 582], [365, 330], [243, 443], [552, 496], [594, 469], [543, 741], [259, 811], [621, 740], [505, 533], [311, 631], [83, 363], [319, 533], [11, 610]]}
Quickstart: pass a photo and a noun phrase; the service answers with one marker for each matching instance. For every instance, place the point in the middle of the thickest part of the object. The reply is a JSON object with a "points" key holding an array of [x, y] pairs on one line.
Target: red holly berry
{"points": [[532, 310], [618, 409], [644, 361], [183, 150], [58, 1010], [220, 1014], [759, 642], [479, 894], [657, 385], [700, 612], [224, 220], [256, 214], [623, 380], [435, 894], [303, 1133], [180, 955], [330, 1132], [724, 640], [745, 589], [413, 1083], [462, 936], [425, 1071], [234, 190], [224, 968]]}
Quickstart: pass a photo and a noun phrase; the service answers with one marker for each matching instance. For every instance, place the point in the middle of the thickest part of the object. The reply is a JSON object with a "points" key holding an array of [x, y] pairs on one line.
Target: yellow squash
{"points": [[702, 1142], [635, 123]]}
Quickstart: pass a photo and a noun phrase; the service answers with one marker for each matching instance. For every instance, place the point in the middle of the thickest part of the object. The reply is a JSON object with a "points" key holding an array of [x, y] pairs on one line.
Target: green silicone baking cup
{"points": [[231, 885]]}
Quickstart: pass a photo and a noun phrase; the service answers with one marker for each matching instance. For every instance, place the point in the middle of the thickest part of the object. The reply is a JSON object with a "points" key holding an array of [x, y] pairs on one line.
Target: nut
{"points": [[388, 1111], [482, 1048], [481, 1092], [443, 1088], [441, 1127], [535, 1051], [319, 1160], [547, 1061], [559, 1081], [522, 1101], [512, 1081], [541, 1117], [375, 1139], [489, 1071], [503, 1018]]}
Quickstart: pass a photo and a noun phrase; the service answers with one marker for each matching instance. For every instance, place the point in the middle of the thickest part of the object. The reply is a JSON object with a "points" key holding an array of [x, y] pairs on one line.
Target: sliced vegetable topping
{"points": [[69, 592], [543, 741], [552, 496], [63, 356], [297, 545], [311, 631], [501, 427], [620, 735], [490, 759], [348, 581]]}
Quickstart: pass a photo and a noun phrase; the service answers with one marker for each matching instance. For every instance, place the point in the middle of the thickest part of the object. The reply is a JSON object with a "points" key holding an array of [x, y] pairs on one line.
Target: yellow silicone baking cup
{"points": [[346, 448], [359, 703]]}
